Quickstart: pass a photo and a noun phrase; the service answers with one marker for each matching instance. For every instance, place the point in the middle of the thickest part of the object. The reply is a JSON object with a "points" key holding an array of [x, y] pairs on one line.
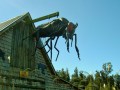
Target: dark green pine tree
{"points": [[75, 79], [111, 80], [89, 78], [67, 75], [62, 74], [117, 81], [97, 79], [82, 80]]}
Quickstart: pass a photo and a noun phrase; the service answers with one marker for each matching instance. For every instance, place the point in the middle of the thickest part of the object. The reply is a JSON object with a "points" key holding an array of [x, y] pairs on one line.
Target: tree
{"points": [[67, 75], [82, 80], [106, 78], [64, 74], [75, 73], [82, 76], [97, 79], [107, 68], [111, 80], [75, 78], [117, 81], [89, 78]]}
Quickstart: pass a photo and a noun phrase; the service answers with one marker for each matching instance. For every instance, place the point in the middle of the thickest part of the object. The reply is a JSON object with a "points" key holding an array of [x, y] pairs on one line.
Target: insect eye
{"points": [[70, 27]]}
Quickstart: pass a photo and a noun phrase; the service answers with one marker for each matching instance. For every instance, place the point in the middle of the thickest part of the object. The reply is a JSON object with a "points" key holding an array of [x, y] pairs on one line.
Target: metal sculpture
{"points": [[56, 28]]}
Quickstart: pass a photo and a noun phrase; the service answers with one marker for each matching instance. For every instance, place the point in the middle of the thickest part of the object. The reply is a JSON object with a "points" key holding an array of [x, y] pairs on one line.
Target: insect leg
{"points": [[71, 42], [68, 45], [56, 48], [48, 44], [51, 48], [77, 50], [67, 41]]}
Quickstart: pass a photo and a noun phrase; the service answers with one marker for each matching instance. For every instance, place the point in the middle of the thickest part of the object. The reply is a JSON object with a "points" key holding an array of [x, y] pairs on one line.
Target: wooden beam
{"points": [[42, 80], [45, 17], [24, 86]]}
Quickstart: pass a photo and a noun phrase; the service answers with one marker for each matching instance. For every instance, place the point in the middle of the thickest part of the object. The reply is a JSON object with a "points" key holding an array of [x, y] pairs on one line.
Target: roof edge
{"points": [[16, 21], [48, 61]]}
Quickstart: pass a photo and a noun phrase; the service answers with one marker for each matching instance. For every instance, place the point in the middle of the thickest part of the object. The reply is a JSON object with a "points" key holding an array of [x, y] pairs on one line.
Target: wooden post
{"points": [[45, 17]]}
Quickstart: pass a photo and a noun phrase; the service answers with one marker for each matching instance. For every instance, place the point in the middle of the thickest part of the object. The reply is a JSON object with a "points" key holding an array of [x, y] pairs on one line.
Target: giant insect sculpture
{"points": [[56, 28]]}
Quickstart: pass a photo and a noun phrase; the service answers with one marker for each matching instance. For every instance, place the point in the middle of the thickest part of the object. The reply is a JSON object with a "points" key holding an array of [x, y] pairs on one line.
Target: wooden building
{"points": [[20, 67]]}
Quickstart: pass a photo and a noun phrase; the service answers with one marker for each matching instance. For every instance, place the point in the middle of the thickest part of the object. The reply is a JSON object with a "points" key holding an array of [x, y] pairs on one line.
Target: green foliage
{"points": [[75, 78], [98, 78], [111, 80], [82, 79], [75, 73], [103, 77], [117, 80], [107, 68], [64, 74], [89, 78], [67, 75]]}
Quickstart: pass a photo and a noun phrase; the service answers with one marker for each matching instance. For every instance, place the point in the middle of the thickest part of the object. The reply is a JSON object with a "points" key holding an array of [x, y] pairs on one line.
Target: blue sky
{"points": [[98, 31]]}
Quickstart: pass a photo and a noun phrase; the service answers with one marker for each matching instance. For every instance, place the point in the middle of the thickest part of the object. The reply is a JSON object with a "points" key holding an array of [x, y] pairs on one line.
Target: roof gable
{"points": [[12, 22], [9, 22]]}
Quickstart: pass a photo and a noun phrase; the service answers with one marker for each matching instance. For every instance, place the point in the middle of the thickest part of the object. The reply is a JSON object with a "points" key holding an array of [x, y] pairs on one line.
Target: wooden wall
{"points": [[22, 54], [5, 43]]}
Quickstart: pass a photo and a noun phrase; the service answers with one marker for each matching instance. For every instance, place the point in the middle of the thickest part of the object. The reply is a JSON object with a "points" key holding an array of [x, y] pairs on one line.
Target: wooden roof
{"points": [[11, 22], [7, 23]]}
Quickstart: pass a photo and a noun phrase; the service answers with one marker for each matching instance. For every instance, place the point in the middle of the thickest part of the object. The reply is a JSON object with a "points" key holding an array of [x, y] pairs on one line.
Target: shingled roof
{"points": [[11, 22]]}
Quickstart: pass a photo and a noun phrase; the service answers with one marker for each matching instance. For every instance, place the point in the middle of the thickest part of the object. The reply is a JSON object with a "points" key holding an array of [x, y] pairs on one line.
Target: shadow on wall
{"points": [[2, 54]]}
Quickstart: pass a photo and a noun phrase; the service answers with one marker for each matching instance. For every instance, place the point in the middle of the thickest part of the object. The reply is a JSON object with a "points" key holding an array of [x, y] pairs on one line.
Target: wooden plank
{"points": [[21, 86], [40, 79]]}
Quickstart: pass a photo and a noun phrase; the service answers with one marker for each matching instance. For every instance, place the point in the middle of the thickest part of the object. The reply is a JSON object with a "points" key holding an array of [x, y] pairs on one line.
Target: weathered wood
{"points": [[24, 57], [6, 85], [45, 17], [41, 79]]}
